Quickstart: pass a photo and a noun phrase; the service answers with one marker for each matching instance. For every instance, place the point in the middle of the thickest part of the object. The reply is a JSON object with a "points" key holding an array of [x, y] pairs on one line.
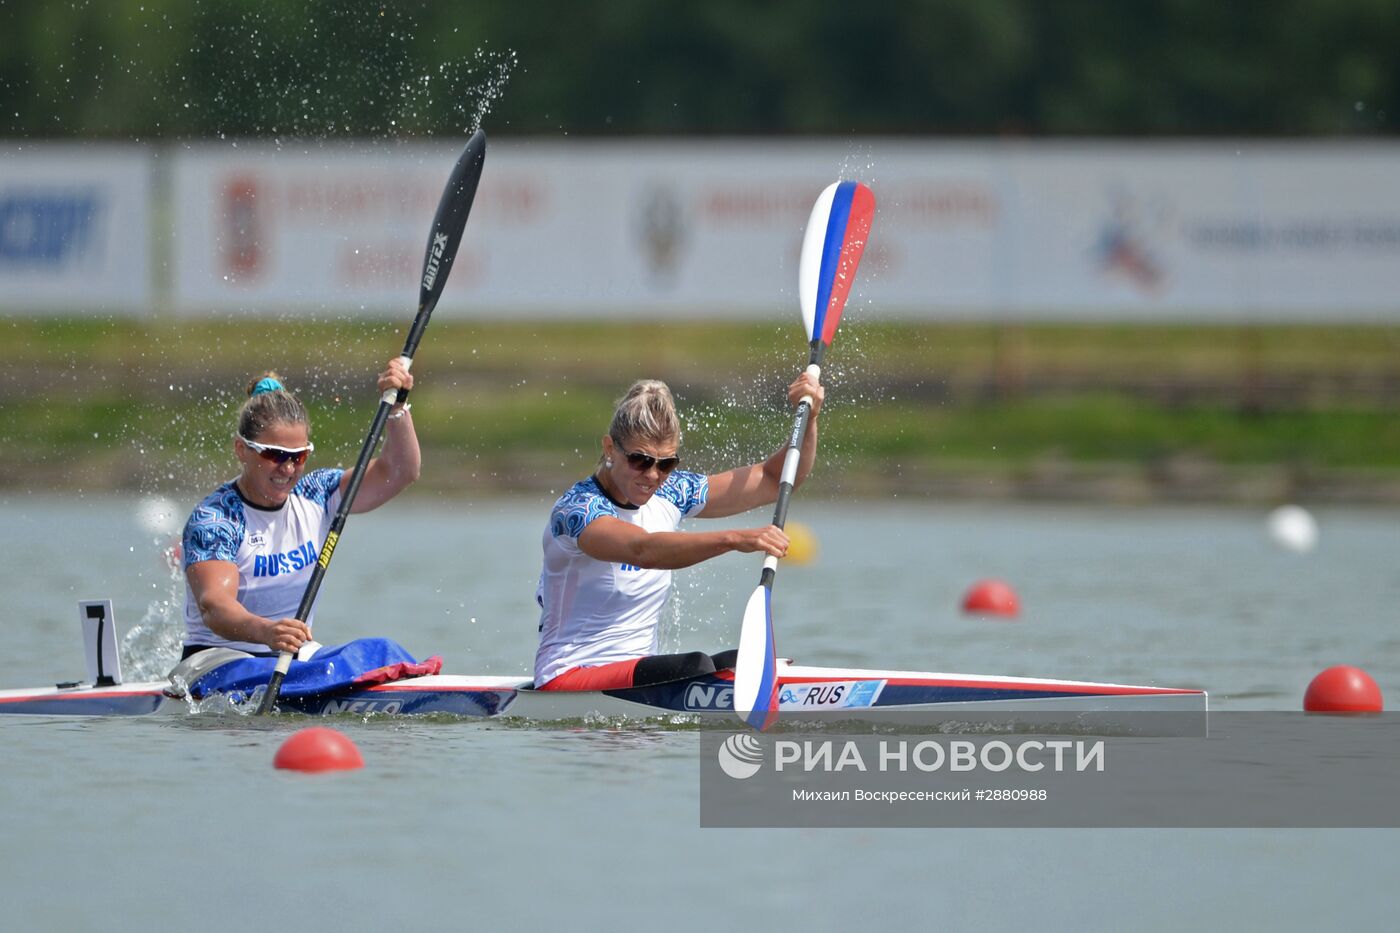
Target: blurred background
{"points": [[1123, 252]]}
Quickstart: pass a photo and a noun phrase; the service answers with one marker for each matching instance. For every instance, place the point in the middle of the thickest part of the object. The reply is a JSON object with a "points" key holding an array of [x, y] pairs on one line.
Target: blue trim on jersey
{"points": [[686, 491], [217, 525], [319, 485], [586, 501], [576, 508], [215, 528]]}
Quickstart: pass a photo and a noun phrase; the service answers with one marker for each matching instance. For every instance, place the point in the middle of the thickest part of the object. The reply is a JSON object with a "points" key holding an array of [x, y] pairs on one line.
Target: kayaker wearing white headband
{"points": [[250, 545], [611, 544]]}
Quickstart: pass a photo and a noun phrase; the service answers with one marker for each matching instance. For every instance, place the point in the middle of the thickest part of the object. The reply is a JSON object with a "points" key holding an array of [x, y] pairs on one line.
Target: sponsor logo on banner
{"points": [[846, 694], [47, 228], [663, 233], [242, 243], [1129, 243]]}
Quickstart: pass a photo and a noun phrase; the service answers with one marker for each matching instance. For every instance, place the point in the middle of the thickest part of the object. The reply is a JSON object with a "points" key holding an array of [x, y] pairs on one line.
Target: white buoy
{"points": [[159, 515], [1292, 527]]}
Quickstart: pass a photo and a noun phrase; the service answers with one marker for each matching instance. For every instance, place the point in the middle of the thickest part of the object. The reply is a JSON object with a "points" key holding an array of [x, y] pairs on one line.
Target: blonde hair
{"points": [[269, 403], [646, 413]]}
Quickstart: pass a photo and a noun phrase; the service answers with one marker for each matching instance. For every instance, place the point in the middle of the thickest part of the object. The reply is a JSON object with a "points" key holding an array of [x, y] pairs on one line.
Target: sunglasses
{"points": [[279, 455], [642, 462]]}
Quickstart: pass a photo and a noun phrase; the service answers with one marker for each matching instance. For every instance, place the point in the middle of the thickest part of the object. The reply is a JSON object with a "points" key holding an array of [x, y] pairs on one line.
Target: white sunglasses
{"points": [[279, 455]]}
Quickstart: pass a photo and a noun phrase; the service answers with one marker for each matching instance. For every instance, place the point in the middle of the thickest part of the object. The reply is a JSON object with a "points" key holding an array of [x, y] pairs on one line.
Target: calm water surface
{"points": [[183, 823]]}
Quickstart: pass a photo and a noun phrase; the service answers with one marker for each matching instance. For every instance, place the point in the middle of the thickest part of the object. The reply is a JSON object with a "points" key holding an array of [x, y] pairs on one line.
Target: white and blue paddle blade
{"points": [[756, 671], [831, 251]]}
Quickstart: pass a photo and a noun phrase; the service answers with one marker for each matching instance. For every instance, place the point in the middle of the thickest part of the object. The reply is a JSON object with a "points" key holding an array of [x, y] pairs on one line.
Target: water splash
{"points": [[151, 647], [484, 77]]}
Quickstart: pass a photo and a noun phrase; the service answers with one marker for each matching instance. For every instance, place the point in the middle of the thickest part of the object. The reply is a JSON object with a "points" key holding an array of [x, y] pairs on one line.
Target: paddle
{"points": [[443, 240], [831, 251]]}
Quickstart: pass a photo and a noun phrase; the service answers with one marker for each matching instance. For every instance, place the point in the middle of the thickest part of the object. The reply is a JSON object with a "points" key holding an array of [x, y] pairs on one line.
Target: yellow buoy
{"points": [[802, 544]]}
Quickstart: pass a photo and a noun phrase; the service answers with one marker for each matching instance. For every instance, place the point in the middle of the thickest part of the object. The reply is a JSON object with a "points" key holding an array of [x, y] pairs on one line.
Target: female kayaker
{"points": [[250, 545], [612, 542]]}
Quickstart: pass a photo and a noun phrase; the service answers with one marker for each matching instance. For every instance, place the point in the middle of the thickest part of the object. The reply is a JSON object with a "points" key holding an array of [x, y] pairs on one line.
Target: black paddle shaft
{"points": [[446, 235]]}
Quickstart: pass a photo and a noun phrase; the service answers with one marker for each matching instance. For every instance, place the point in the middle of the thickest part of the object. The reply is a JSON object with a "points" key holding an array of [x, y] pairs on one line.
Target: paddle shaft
{"points": [[791, 460], [443, 240], [754, 671]]}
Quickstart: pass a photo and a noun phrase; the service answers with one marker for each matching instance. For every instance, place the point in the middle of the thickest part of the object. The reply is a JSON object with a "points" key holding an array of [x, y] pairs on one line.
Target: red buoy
{"points": [[318, 749], [1343, 689], [992, 597]]}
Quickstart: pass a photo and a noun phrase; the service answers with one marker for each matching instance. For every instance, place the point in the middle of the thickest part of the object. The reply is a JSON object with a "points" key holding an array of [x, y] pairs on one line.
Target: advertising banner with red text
{"points": [[980, 230]]}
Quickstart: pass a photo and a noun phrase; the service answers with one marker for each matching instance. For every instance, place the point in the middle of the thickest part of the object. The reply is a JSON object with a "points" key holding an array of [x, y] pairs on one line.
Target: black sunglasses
{"points": [[642, 462]]}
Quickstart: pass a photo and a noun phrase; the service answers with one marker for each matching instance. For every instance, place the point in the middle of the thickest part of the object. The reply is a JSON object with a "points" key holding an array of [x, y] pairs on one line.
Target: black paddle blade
{"points": [[451, 220]]}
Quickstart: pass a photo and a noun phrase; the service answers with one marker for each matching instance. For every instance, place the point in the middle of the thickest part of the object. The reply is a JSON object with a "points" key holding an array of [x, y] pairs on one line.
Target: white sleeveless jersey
{"points": [[593, 612], [274, 549]]}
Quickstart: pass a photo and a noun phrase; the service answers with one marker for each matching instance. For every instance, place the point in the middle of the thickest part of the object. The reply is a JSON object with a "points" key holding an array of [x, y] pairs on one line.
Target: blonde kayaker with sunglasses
{"points": [[250, 545], [612, 542]]}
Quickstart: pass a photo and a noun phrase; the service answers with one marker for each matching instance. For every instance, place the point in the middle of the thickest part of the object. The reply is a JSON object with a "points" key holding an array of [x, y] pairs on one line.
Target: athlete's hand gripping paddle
{"points": [[443, 240], [831, 251]]}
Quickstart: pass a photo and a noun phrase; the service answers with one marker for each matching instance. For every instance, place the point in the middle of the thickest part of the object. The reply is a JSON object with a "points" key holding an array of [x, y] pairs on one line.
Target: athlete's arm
{"points": [[214, 584], [618, 542], [748, 487], [400, 460]]}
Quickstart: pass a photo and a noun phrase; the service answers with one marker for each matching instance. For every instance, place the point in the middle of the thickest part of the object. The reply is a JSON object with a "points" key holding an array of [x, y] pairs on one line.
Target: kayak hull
{"points": [[804, 692]]}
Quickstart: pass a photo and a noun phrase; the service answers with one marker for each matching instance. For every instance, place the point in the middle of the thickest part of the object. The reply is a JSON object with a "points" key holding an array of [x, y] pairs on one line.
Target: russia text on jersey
{"points": [[271, 565]]}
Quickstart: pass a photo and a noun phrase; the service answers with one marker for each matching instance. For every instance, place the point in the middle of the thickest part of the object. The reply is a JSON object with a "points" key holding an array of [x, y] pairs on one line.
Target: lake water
{"points": [[183, 823]]}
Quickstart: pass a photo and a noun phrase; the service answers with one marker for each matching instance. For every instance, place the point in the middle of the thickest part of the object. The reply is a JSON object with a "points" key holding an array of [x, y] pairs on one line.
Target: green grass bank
{"points": [[1120, 413]]}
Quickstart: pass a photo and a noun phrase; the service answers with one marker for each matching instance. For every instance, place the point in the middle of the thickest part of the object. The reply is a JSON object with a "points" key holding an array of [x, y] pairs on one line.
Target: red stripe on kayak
{"points": [[105, 695], [1089, 689], [399, 686]]}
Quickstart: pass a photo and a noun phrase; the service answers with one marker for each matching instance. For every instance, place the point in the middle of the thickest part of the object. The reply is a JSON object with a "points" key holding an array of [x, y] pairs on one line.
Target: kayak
{"points": [[803, 693], [840, 693]]}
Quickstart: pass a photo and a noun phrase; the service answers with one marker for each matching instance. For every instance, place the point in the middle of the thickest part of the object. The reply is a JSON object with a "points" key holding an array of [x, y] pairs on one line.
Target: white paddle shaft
{"points": [[815, 371], [793, 457], [391, 396]]}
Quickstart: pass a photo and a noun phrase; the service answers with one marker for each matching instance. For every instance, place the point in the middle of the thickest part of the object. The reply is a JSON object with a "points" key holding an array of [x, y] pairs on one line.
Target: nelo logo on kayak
{"points": [[700, 697], [362, 707]]}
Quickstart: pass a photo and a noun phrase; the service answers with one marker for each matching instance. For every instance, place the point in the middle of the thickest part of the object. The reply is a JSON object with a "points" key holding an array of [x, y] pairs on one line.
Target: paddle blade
{"points": [[451, 220], [831, 251], [756, 671]]}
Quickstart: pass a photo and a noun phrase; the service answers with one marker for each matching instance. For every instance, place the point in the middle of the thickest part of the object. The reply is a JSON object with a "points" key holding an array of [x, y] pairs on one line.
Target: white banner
{"points": [[1153, 231], [977, 230], [75, 228]]}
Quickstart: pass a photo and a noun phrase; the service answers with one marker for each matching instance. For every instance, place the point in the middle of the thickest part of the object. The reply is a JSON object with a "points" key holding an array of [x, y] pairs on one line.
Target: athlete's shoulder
{"points": [[687, 491], [223, 504], [215, 528], [319, 485], [580, 504]]}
